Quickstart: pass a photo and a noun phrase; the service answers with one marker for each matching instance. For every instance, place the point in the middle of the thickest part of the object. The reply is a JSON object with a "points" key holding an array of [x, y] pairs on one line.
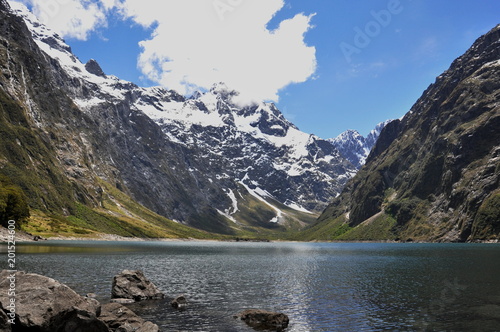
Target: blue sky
{"points": [[372, 58], [385, 79]]}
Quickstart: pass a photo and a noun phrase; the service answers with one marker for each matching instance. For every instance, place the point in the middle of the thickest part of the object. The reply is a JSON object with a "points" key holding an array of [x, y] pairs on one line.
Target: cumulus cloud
{"points": [[197, 43], [70, 18]]}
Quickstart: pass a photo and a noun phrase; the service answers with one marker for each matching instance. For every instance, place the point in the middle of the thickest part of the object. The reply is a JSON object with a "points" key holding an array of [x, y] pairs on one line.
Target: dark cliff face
{"points": [[436, 172], [59, 155], [28, 157]]}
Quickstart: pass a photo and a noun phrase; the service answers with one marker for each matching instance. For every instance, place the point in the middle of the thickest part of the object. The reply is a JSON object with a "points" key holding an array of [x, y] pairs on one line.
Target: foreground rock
{"points": [[264, 320], [134, 285], [46, 305], [121, 319]]}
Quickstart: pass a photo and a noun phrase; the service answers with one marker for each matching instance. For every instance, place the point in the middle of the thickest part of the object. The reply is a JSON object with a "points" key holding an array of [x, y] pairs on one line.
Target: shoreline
{"points": [[22, 236]]}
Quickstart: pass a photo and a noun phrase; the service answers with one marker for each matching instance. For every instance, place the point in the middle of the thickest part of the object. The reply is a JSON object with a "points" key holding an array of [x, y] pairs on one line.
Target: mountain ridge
{"points": [[201, 161], [433, 175]]}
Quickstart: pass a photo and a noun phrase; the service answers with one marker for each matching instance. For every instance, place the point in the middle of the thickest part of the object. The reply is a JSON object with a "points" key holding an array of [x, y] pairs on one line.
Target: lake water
{"points": [[321, 287]]}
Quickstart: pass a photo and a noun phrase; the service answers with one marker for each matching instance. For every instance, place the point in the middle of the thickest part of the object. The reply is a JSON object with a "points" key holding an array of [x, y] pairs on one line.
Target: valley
{"points": [[84, 154]]}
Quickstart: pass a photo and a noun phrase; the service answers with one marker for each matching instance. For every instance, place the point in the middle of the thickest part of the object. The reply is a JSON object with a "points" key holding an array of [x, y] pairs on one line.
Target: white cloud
{"points": [[197, 43], [70, 18]]}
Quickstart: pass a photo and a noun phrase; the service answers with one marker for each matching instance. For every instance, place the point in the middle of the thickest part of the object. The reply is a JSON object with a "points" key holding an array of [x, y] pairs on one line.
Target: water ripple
{"points": [[321, 287]]}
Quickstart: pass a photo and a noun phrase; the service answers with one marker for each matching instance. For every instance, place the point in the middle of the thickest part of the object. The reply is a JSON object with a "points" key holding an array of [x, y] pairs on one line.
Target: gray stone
{"points": [[91, 295], [264, 320], [134, 285], [179, 302], [46, 305], [121, 319]]}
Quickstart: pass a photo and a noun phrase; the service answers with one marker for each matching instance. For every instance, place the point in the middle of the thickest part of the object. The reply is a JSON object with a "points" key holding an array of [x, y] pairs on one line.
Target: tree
{"points": [[13, 205]]}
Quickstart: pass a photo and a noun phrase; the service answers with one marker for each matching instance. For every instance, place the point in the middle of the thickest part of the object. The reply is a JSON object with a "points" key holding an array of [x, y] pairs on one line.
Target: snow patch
{"points": [[234, 201], [227, 216], [279, 213], [297, 207]]}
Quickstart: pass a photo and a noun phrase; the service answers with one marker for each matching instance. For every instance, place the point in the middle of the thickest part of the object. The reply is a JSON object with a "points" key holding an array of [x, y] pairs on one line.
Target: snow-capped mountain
{"points": [[254, 145], [202, 160], [355, 147]]}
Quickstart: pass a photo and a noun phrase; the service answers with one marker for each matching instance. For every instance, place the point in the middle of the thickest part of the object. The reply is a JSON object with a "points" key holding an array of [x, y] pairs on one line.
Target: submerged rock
{"points": [[264, 320], [134, 285], [179, 302], [46, 305], [121, 319]]}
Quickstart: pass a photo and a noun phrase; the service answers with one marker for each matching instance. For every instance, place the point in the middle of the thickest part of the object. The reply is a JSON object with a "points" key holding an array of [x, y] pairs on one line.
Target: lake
{"points": [[320, 286]]}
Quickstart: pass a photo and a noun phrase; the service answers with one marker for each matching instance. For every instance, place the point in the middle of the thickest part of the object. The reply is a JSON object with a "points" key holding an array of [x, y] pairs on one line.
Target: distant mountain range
{"points": [[79, 145], [434, 174], [355, 147]]}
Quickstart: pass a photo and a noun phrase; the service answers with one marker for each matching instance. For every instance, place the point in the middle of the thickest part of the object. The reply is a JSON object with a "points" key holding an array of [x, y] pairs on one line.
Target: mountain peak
{"points": [[219, 87], [354, 147], [39, 31], [93, 67], [224, 91]]}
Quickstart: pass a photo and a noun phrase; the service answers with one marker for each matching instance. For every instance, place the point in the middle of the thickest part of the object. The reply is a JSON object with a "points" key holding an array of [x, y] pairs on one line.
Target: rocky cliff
{"points": [[434, 174], [59, 162]]}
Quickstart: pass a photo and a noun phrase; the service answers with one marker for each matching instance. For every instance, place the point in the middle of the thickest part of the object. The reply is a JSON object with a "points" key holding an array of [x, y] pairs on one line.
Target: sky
{"points": [[329, 65]]}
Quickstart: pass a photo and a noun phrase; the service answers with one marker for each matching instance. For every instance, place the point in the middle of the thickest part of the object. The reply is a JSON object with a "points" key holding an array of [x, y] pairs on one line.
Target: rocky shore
{"points": [[20, 236], [32, 302]]}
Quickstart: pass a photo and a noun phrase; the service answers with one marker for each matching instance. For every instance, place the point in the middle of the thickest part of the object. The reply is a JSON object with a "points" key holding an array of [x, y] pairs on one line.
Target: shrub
{"points": [[13, 205]]}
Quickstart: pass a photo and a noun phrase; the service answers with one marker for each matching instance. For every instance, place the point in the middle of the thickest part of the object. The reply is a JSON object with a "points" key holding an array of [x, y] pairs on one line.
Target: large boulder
{"points": [[264, 320], [43, 304], [121, 319], [134, 285]]}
